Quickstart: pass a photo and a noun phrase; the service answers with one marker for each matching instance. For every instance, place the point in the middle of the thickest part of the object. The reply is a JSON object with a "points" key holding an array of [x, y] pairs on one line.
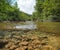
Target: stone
{"points": [[48, 47], [24, 43]]}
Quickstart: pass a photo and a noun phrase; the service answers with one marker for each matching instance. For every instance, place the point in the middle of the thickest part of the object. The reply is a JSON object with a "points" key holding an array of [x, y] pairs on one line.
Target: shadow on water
{"points": [[1, 33], [2, 44]]}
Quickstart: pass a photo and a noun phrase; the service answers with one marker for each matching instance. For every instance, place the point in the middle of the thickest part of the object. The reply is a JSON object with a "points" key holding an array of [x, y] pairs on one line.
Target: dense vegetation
{"points": [[9, 12], [47, 10]]}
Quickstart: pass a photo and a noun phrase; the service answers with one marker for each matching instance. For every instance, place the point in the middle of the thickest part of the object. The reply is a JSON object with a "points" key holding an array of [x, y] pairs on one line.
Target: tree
{"points": [[10, 12], [48, 10]]}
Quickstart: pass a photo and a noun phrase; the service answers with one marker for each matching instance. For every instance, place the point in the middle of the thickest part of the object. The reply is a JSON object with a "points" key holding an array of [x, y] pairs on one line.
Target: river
{"points": [[28, 25]]}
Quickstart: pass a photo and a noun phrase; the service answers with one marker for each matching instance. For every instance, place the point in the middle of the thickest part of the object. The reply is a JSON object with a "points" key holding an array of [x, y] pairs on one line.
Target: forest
{"points": [[9, 12], [45, 10]]}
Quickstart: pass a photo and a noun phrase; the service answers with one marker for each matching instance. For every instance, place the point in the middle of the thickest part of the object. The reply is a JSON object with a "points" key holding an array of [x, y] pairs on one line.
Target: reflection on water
{"points": [[18, 25], [28, 25], [51, 27]]}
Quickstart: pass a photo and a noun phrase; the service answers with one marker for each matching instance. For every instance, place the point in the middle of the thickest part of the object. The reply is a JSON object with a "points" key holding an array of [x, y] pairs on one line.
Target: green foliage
{"points": [[25, 16], [47, 10], [10, 12]]}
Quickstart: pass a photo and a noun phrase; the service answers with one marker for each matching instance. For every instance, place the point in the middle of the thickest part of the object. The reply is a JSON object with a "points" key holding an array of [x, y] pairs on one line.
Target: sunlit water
{"points": [[18, 25], [29, 25], [52, 27]]}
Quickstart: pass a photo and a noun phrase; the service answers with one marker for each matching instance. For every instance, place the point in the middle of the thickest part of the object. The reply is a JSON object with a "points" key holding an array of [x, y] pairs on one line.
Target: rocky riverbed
{"points": [[30, 40]]}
